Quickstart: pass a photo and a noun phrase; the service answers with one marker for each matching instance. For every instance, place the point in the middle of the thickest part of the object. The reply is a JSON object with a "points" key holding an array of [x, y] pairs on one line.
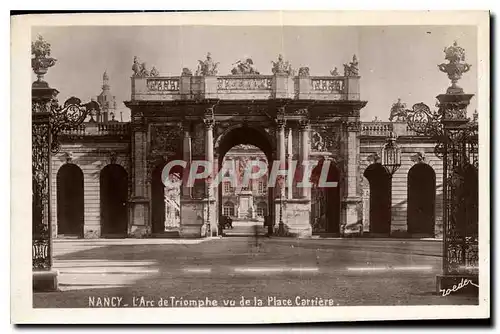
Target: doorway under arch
{"points": [[380, 199], [70, 202], [325, 201], [421, 200], [250, 136], [113, 182]]}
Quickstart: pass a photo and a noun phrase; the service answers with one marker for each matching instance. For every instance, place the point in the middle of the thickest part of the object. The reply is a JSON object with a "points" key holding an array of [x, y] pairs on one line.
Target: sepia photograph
{"points": [[201, 163]]}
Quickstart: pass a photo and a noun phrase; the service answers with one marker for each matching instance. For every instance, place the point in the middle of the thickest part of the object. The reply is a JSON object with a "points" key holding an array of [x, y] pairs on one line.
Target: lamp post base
{"points": [[465, 284], [45, 280]]}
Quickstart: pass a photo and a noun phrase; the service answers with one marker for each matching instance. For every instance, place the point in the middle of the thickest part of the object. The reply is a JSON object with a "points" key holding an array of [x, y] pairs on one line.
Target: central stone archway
{"points": [[244, 134]]}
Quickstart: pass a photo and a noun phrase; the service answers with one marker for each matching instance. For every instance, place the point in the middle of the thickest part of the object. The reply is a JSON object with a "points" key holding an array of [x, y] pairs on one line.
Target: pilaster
{"points": [[351, 217], [139, 203]]}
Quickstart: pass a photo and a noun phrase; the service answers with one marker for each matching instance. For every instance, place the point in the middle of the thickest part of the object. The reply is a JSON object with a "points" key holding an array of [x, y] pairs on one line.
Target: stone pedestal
{"points": [[198, 218], [185, 87], [296, 215], [45, 281], [282, 87], [352, 222], [245, 205], [352, 87], [139, 213], [304, 87], [209, 87]]}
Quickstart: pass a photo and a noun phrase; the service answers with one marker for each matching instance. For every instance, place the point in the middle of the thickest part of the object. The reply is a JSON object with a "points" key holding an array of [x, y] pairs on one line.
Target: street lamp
{"points": [[48, 120], [391, 154], [281, 225], [209, 196]]}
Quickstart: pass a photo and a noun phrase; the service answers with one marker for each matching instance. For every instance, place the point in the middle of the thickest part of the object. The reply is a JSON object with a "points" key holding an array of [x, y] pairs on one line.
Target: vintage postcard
{"points": [[250, 167]]}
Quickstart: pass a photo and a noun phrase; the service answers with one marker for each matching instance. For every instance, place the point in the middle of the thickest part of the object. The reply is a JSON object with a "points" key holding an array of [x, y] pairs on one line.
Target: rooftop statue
{"points": [[282, 67], [139, 69], [244, 67], [352, 69], [186, 72], [398, 112], [154, 72], [207, 67], [304, 72], [335, 72]]}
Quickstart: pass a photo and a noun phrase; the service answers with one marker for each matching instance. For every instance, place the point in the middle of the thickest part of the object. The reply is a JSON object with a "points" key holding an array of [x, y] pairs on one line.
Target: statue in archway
{"points": [[317, 142]]}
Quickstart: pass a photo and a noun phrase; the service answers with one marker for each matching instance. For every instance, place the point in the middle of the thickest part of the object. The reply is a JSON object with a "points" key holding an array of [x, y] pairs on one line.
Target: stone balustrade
{"points": [[240, 87], [382, 129], [99, 129]]}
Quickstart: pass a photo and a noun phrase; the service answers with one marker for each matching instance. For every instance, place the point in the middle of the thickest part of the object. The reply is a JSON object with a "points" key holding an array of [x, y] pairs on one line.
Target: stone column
{"points": [[210, 213], [289, 160], [305, 192], [352, 200], [281, 149], [352, 159], [186, 154], [209, 141], [139, 203]]}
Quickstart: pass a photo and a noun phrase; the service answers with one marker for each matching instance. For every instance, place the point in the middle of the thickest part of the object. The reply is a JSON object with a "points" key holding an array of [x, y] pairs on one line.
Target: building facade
{"points": [[107, 177], [245, 201]]}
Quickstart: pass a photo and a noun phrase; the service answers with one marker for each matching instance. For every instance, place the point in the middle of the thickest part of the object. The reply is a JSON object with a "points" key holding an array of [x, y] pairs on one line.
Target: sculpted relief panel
{"points": [[165, 140], [244, 83], [198, 140], [324, 139]]}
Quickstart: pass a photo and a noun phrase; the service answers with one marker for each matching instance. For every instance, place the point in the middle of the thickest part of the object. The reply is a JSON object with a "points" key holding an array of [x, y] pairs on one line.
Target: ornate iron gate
{"points": [[48, 120]]}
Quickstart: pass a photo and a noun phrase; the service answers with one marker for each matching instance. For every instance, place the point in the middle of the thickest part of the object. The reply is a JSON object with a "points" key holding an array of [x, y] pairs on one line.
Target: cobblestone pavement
{"points": [[270, 270]]}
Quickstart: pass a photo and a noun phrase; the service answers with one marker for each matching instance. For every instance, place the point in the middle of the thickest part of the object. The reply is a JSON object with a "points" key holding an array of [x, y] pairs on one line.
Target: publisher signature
{"points": [[463, 283]]}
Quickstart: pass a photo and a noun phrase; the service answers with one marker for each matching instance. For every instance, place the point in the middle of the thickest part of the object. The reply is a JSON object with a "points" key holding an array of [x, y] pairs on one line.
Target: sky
{"points": [[394, 61]]}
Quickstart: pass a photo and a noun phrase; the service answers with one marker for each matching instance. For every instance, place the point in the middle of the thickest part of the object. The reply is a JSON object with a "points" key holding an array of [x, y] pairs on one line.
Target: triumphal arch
{"points": [[290, 115]]}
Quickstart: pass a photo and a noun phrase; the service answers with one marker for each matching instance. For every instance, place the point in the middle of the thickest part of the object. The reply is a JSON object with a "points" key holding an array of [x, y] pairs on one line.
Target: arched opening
{"points": [[380, 199], [236, 149], [70, 205], [165, 200], [325, 200], [421, 200], [114, 195]]}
